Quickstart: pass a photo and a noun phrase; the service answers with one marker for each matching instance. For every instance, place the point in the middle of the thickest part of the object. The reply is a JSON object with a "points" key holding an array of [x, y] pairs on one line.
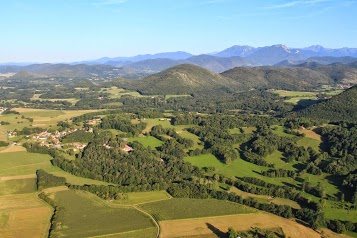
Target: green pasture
{"points": [[147, 141], [144, 197], [185, 208], [24, 163]]}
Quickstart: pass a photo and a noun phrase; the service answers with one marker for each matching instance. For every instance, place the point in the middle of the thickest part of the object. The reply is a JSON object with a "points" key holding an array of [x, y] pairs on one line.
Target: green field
{"points": [[156, 121], [24, 163], [308, 142], [144, 197], [276, 158], [147, 141], [279, 130], [18, 186], [238, 168], [196, 140], [177, 96], [87, 215], [72, 179], [185, 208], [116, 92], [37, 97], [334, 210]]}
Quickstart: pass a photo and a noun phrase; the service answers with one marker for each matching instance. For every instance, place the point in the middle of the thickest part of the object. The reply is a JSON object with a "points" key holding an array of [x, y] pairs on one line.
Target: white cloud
{"points": [[298, 3], [108, 2]]}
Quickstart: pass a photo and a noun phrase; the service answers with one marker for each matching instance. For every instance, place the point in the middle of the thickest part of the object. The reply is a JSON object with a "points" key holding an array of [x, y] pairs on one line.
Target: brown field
{"points": [[24, 215], [17, 177], [207, 227], [13, 148], [311, 134]]}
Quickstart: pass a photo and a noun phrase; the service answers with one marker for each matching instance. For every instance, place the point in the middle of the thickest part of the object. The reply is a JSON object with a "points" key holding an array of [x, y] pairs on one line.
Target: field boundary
{"points": [[152, 218]]}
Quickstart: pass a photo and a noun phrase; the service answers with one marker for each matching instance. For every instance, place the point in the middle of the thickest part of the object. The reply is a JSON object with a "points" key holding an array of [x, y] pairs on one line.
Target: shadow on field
{"points": [[216, 231]]}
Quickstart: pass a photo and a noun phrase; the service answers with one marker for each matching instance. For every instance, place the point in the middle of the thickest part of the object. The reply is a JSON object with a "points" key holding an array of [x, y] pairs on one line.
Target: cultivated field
{"points": [[214, 226], [100, 217], [37, 97], [24, 163], [144, 197], [24, 215], [43, 117], [17, 185], [183, 208]]}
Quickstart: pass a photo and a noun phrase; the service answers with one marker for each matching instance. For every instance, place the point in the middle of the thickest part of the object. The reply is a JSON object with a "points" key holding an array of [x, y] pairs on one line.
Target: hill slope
{"points": [[182, 79], [339, 108], [278, 78]]}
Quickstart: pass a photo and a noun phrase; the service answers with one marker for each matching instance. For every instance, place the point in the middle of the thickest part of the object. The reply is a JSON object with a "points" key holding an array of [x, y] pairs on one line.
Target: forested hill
{"points": [[183, 79], [287, 78], [339, 108]]}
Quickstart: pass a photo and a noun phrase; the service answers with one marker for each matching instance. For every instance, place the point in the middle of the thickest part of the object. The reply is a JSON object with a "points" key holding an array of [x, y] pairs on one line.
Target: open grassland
{"points": [[24, 163], [24, 215], [156, 121], [196, 140], [16, 122], [184, 208], [276, 158], [100, 217], [279, 130], [219, 225], [308, 142], [265, 198], [238, 168], [303, 98], [72, 179], [17, 186], [311, 134], [37, 97], [44, 118], [12, 148], [143, 233], [115, 92], [334, 209], [3, 136], [144, 197], [177, 96], [147, 141]]}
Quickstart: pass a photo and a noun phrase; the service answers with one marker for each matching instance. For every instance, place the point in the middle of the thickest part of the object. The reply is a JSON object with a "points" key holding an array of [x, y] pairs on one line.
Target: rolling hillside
{"points": [[339, 108], [277, 78], [183, 79]]}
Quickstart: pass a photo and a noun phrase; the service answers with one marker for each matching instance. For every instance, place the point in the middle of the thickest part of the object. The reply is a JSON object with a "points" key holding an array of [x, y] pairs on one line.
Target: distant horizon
{"points": [[120, 56], [80, 30]]}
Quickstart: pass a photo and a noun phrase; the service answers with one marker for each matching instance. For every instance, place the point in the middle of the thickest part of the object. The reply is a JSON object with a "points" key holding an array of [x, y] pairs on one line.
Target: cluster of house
{"points": [[94, 121], [125, 149], [2, 109], [48, 139]]}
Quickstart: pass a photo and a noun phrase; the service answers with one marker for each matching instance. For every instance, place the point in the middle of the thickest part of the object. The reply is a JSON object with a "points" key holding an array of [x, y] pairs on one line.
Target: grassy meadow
{"points": [[185, 208], [144, 197]]}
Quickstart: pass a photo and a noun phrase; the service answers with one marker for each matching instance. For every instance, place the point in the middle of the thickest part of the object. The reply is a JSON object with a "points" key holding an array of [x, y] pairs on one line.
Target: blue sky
{"points": [[70, 30]]}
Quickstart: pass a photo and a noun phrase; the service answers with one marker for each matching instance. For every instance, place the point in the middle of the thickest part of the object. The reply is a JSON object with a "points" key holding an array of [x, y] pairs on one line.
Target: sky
{"points": [[74, 30]]}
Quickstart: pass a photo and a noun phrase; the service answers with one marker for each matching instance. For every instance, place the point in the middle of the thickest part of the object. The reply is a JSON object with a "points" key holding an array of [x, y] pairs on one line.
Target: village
{"points": [[54, 140]]}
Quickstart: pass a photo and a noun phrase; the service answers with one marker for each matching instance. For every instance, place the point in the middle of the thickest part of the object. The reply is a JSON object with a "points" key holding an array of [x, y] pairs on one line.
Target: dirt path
{"points": [[219, 225], [152, 218]]}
